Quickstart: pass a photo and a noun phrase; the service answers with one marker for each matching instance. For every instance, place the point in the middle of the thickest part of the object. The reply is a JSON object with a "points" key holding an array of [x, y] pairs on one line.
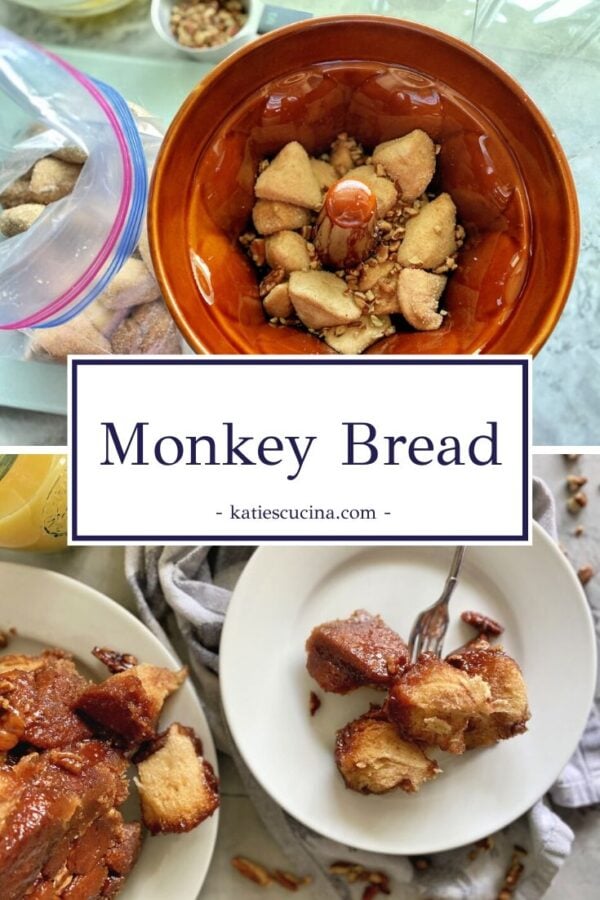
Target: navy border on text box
{"points": [[522, 363]]}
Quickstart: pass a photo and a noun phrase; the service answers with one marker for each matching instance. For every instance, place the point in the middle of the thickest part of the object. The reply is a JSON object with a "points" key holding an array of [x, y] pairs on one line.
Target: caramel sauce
{"points": [[372, 102], [350, 204], [344, 234]]}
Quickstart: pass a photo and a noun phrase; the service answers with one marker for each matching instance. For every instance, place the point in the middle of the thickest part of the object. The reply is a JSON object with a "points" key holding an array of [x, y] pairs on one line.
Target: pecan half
{"points": [[113, 660], [482, 624], [275, 277], [253, 871], [289, 881]]}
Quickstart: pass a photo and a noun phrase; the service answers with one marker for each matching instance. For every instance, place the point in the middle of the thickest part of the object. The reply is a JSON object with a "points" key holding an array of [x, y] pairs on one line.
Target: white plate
{"points": [[284, 592], [51, 610]]}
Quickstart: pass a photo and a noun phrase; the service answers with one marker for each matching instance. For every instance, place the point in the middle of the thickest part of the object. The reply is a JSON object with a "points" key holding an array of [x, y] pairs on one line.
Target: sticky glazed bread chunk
{"points": [[64, 773], [25, 663], [129, 702], [47, 802], [373, 759], [93, 865], [37, 697], [362, 650], [434, 702], [178, 787], [507, 711]]}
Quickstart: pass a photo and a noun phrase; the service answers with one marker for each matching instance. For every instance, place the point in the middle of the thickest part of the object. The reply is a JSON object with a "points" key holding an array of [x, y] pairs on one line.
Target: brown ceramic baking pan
{"points": [[376, 78]]}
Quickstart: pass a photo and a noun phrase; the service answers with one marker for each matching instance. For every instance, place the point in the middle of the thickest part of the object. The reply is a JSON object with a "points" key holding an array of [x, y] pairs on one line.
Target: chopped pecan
{"points": [[574, 482], [370, 891], [289, 881], [70, 762], [353, 872], [206, 23], [512, 876], [5, 636], [514, 873], [315, 703], [275, 277], [381, 881], [585, 574], [392, 664], [485, 843], [576, 503], [113, 660], [482, 624], [253, 871], [247, 238]]}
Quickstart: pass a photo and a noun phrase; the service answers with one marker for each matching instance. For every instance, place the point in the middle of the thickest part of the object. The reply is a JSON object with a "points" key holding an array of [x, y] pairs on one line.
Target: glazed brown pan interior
{"points": [[377, 79]]}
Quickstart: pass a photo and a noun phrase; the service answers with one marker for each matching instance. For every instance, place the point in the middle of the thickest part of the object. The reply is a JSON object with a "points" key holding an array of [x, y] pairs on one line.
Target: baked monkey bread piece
{"points": [[361, 651], [93, 866], [129, 703], [507, 710], [62, 834], [47, 803], [178, 787], [37, 696], [372, 757], [434, 703]]}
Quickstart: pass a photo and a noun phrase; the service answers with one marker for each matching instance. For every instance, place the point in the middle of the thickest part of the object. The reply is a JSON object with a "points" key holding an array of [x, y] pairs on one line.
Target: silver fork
{"points": [[429, 630]]}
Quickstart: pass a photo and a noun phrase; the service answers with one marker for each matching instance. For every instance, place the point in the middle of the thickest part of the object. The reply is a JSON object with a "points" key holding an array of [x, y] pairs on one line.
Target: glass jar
{"points": [[33, 501]]}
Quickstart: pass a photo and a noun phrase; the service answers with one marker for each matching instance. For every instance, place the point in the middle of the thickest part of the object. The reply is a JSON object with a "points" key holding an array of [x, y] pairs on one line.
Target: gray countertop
{"points": [[580, 876], [551, 46]]}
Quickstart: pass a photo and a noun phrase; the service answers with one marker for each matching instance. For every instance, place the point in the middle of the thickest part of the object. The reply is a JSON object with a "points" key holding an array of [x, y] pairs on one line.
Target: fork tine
{"points": [[430, 627], [415, 641], [432, 645], [417, 648], [426, 645]]}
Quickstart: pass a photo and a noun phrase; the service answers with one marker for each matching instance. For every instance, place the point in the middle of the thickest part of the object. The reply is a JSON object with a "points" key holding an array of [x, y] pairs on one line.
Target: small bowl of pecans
{"points": [[207, 29]]}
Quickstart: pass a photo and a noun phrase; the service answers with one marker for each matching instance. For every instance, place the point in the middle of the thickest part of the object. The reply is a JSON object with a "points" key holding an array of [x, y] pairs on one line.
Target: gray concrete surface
{"points": [[579, 878]]}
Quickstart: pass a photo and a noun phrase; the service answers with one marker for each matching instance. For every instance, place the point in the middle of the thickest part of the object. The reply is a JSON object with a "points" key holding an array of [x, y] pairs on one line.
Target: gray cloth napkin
{"points": [[182, 595]]}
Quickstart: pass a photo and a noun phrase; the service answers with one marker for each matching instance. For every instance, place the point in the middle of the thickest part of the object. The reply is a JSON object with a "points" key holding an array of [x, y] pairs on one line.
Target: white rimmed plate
{"points": [[284, 592], [51, 610]]}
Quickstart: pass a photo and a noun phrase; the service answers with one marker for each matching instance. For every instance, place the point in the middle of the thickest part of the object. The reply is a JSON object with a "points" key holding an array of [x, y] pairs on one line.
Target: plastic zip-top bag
{"points": [[74, 163]]}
